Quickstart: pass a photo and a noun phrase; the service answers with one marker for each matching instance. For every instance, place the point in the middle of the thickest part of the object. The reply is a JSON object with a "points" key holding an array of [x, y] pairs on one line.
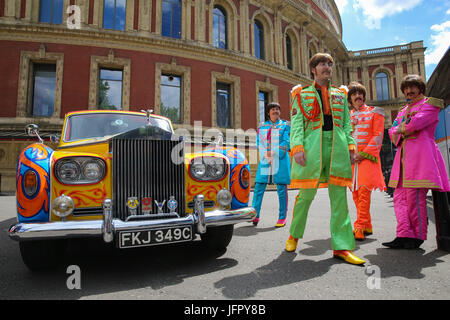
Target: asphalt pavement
{"points": [[255, 265]]}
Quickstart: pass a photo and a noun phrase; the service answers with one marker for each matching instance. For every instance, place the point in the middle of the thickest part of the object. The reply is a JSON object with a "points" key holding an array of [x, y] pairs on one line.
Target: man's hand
{"points": [[358, 158], [268, 155], [352, 156], [300, 158]]}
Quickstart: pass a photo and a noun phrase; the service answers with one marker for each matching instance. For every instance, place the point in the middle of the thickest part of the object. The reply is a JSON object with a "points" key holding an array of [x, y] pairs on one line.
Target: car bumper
{"points": [[109, 226]]}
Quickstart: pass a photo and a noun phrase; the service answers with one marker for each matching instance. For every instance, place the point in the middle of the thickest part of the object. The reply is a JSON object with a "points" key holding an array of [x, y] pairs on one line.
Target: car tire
{"points": [[218, 238], [42, 254]]}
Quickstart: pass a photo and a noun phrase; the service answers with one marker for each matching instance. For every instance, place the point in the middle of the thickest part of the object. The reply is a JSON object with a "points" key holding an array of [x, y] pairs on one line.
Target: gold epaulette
{"points": [[436, 102]]}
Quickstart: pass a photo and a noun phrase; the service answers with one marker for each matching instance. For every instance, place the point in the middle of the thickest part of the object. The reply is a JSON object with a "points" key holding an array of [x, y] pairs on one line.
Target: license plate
{"points": [[151, 237]]}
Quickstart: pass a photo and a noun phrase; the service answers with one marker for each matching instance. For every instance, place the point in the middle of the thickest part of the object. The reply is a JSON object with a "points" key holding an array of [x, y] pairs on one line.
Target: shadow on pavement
{"points": [[404, 263], [281, 271]]}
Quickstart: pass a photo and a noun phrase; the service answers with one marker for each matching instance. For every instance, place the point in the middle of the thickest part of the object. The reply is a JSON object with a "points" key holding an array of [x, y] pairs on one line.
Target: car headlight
{"points": [[62, 206], [208, 168], [30, 182], [80, 170]]}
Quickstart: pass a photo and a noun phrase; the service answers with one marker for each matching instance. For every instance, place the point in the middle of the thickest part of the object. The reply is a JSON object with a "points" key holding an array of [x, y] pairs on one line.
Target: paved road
{"points": [[254, 266]]}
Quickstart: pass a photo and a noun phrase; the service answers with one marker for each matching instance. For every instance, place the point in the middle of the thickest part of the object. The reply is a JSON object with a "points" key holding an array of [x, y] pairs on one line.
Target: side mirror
{"points": [[32, 130]]}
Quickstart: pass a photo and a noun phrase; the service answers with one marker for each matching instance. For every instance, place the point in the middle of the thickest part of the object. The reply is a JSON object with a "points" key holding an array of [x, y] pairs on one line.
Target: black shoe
{"points": [[397, 243], [412, 243]]}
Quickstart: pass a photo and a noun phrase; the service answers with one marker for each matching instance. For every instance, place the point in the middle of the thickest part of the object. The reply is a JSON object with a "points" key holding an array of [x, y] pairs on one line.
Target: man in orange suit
{"points": [[368, 127]]}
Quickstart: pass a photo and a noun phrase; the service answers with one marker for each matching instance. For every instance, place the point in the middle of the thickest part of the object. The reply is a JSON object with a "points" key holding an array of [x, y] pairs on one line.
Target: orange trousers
{"points": [[361, 197]]}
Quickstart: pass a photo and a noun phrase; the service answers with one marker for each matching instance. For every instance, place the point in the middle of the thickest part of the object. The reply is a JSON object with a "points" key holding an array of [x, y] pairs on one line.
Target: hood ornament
{"points": [[148, 112]]}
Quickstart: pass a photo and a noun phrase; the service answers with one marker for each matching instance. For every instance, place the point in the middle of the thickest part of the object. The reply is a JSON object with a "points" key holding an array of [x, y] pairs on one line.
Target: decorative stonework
{"points": [[98, 62], [185, 74], [27, 59]]}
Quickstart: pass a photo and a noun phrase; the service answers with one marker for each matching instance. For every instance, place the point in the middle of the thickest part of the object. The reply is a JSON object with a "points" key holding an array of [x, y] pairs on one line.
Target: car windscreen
{"points": [[97, 125]]}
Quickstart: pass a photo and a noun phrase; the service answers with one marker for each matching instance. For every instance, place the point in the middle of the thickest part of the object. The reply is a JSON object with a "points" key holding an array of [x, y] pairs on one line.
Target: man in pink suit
{"points": [[418, 165]]}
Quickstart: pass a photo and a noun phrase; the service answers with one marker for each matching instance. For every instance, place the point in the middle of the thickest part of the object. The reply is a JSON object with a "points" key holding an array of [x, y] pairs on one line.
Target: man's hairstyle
{"points": [[268, 107], [413, 80], [354, 87], [318, 58], [273, 105]]}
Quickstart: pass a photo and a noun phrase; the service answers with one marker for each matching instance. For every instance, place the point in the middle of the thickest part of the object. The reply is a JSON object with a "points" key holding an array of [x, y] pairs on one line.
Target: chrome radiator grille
{"points": [[144, 168]]}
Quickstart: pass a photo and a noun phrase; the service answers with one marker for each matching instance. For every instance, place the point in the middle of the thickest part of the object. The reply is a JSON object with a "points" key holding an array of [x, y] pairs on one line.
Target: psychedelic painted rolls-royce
{"points": [[125, 176]]}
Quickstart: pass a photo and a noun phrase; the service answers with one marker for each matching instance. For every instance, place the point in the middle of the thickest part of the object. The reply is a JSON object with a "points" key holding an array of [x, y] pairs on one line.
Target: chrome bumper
{"points": [[107, 227]]}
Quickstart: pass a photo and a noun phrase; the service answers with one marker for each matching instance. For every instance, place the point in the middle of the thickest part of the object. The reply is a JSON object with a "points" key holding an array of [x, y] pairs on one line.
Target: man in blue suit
{"points": [[274, 165]]}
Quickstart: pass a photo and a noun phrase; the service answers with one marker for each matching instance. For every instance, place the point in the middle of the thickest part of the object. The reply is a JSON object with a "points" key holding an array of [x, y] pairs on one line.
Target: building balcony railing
{"points": [[386, 50]]}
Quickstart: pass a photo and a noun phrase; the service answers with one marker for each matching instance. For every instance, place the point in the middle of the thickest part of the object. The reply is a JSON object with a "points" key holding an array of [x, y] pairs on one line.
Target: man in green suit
{"points": [[322, 148]]}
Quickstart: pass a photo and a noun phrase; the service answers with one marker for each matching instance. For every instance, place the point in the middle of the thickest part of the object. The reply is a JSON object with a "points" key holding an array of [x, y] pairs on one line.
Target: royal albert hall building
{"points": [[209, 62]]}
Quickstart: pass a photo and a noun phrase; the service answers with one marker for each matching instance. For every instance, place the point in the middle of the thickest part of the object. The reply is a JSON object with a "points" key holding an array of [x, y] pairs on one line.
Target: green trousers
{"points": [[340, 225]]}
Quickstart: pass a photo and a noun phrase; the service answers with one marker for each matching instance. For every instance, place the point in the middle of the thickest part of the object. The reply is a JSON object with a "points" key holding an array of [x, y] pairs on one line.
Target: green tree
{"points": [[103, 101], [170, 112]]}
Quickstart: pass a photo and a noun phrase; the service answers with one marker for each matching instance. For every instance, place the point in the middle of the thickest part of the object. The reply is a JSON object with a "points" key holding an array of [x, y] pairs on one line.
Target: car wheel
{"points": [[41, 254], [218, 238]]}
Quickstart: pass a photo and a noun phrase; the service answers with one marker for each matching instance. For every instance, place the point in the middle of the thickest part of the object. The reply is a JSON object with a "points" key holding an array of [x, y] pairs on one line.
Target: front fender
{"points": [[34, 208], [238, 164]]}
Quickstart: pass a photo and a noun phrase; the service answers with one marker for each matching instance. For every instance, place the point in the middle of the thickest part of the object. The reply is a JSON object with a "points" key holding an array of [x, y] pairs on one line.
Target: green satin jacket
{"points": [[306, 135]]}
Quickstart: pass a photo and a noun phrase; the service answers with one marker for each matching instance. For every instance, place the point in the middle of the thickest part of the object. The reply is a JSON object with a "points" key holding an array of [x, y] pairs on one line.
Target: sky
{"points": [[369, 24]]}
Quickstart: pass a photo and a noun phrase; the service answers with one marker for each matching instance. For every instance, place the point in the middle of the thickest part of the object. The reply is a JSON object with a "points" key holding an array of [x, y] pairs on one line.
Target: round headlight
{"points": [[224, 197], [68, 171], [198, 170], [216, 168], [92, 170], [62, 206]]}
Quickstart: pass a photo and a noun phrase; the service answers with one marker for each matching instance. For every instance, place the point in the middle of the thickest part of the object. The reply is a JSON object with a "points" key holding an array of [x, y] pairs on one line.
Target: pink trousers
{"points": [[410, 205]]}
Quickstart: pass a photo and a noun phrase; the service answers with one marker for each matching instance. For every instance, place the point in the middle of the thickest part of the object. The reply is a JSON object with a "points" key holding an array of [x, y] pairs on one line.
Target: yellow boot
{"points": [[347, 256], [291, 244]]}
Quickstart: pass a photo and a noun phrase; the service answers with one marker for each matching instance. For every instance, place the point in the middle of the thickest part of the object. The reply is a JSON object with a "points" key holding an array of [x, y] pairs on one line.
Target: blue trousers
{"points": [[258, 195]]}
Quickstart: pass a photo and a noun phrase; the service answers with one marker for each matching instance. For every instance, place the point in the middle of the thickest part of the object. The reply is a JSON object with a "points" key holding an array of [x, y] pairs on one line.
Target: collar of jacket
{"points": [[269, 122]]}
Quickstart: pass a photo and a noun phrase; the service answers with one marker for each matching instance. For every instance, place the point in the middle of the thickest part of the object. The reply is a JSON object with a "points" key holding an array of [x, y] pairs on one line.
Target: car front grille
{"points": [[144, 168]]}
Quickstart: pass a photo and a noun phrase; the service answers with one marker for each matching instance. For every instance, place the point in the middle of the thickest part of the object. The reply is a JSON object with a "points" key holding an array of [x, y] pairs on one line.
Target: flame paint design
{"points": [[209, 191], [37, 158], [85, 198]]}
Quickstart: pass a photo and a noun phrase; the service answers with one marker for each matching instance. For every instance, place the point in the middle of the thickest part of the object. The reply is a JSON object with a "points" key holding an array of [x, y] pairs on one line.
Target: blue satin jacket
{"points": [[274, 137]]}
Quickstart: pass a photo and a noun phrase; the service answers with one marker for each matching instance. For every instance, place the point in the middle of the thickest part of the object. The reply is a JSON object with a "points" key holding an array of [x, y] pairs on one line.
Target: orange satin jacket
{"points": [[368, 129]]}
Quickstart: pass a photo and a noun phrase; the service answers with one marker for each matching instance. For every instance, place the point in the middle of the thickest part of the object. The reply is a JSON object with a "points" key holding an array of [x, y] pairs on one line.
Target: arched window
{"points": [[289, 53], [259, 40], [171, 18], [382, 86], [220, 27]]}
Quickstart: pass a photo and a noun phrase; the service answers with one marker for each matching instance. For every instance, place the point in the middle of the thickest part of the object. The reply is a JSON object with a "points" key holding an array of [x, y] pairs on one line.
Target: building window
{"points": [[43, 92], [51, 11], [114, 14], [259, 40], [171, 18], [223, 105], [289, 63], [171, 98], [263, 100], [219, 27], [382, 86], [110, 89]]}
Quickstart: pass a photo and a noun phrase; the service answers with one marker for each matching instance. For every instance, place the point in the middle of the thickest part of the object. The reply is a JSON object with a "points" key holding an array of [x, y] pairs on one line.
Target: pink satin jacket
{"points": [[418, 158]]}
